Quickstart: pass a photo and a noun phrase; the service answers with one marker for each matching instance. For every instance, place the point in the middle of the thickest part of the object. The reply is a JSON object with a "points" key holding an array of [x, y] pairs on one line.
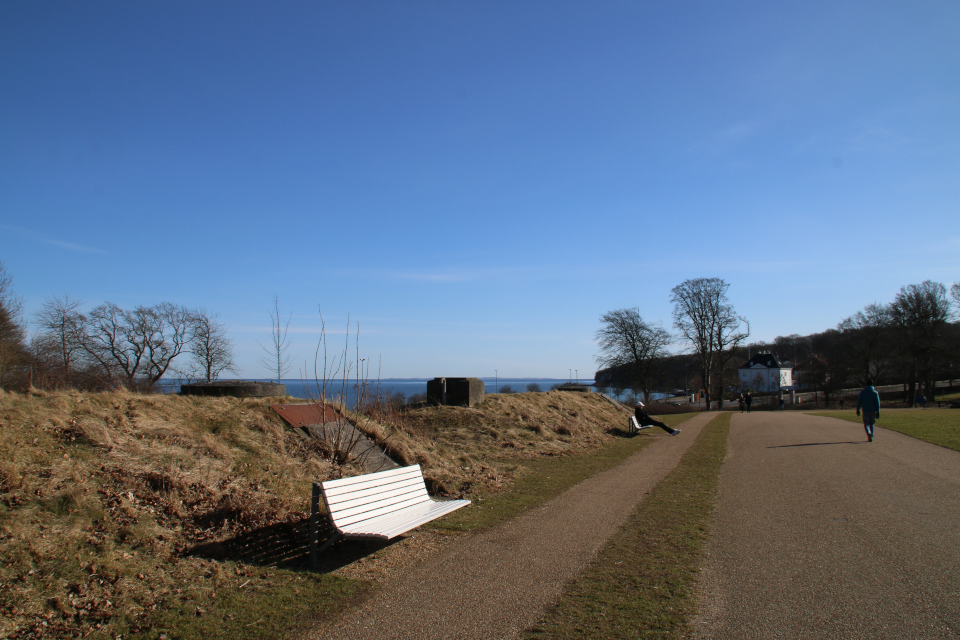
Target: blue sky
{"points": [[475, 183]]}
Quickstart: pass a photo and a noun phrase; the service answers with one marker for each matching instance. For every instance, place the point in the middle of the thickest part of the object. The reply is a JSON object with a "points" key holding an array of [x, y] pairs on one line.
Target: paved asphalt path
{"points": [[497, 583], [820, 534]]}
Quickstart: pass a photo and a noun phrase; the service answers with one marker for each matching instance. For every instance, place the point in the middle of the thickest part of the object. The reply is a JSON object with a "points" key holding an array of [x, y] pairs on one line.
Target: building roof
{"points": [[766, 360]]}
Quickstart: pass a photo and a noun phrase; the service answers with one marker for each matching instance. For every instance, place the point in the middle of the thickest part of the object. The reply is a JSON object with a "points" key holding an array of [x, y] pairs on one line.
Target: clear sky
{"points": [[475, 183]]}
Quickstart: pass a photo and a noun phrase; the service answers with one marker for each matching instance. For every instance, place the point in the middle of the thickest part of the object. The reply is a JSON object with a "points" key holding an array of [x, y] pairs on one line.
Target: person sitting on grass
{"points": [[646, 420], [869, 401]]}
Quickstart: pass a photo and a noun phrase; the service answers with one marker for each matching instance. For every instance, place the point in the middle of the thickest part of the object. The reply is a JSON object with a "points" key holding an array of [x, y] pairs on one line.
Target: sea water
{"points": [[409, 387]]}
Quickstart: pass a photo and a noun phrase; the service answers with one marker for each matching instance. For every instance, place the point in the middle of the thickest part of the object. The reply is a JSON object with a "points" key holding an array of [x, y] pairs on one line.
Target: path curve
{"points": [[498, 583], [820, 534]]}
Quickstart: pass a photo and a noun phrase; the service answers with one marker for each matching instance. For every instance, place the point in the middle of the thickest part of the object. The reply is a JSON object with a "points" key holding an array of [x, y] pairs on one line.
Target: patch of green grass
{"points": [[253, 603], [641, 583], [543, 479], [936, 426]]}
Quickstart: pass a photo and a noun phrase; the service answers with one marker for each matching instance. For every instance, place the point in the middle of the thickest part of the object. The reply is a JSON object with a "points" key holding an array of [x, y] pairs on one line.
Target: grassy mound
{"points": [[127, 514]]}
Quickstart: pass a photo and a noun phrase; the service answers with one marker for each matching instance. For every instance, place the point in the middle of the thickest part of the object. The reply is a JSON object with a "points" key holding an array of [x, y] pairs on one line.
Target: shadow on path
{"points": [[817, 444]]}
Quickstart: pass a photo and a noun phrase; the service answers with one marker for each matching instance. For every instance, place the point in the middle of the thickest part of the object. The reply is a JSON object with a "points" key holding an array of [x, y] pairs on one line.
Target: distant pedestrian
{"points": [[781, 404], [869, 401], [749, 401], [646, 420], [741, 403], [841, 404]]}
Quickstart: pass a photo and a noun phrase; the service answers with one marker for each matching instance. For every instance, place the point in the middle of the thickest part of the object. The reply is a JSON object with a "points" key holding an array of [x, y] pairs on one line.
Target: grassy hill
{"points": [[125, 514]]}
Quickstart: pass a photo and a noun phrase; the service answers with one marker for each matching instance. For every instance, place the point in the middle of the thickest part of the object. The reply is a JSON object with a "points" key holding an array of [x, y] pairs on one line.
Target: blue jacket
{"points": [[869, 400]]}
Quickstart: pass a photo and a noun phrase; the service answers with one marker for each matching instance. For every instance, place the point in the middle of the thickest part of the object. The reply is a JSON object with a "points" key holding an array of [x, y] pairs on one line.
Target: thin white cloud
{"points": [[727, 138], [877, 138], [736, 133], [293, 330], [51, 241], [443, 275]]}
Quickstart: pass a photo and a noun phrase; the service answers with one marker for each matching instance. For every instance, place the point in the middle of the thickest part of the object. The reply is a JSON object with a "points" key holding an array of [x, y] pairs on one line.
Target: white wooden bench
{"points": [[375, 505], [634, 427]]}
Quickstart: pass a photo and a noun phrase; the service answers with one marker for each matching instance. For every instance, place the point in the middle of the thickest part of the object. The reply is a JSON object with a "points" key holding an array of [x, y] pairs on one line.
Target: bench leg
{"points": [[314, 523], [336, 536], [315, 527]]}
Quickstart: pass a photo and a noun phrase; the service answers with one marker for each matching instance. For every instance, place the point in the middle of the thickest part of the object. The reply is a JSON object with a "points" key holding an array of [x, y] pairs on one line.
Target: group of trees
{"points": [[913, 341], [12, 333], [705, 319], [107, 347]]}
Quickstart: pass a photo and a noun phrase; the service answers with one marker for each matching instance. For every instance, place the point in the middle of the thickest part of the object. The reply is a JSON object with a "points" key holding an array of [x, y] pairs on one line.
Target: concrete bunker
{"points": [[460, 392]]}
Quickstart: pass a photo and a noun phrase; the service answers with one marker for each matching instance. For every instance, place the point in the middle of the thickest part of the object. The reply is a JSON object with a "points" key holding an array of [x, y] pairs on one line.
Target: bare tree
{"points": [[708, 322], [13, 351], [135, 348], [793, 347], [731, 332], [276, 358], [869, 341], [920, 313], [955, 293], [210, 347], [61, 326], [626, 340], [346, 438]]}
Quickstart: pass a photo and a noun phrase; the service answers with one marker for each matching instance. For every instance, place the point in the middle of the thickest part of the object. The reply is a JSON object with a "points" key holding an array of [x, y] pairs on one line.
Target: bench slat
{"points": [[379, 485], [346, 500], [367, 503], [374, 478], [392, 525], [392, 529], [365, 512]]}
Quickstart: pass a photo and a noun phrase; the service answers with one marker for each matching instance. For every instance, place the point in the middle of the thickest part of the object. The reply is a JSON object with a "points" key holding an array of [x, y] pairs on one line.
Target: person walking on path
{"points": [[749, 401], [741, 403], [869, 401], [646, 420]]}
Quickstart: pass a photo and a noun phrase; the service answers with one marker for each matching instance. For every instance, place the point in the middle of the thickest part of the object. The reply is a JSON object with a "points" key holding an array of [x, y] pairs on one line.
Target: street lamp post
{"points": [[359, 388]]}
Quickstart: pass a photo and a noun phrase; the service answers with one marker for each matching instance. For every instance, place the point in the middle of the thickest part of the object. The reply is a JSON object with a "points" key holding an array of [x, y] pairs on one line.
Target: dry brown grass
{"points": [[103, 497], [483, 445]]}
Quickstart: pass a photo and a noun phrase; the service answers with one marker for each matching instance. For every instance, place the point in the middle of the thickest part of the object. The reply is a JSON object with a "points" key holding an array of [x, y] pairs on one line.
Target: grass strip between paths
{"points": [[936, 426], [641, 584]]}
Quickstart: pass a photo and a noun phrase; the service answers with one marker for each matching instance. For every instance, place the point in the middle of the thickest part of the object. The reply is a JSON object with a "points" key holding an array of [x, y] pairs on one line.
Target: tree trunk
{"points": [[706, 387], [912, 387]]}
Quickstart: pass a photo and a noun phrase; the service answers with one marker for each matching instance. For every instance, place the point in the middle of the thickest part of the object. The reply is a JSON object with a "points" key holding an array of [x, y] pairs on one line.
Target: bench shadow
{"points": [[816, 444], [286, 545]]}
